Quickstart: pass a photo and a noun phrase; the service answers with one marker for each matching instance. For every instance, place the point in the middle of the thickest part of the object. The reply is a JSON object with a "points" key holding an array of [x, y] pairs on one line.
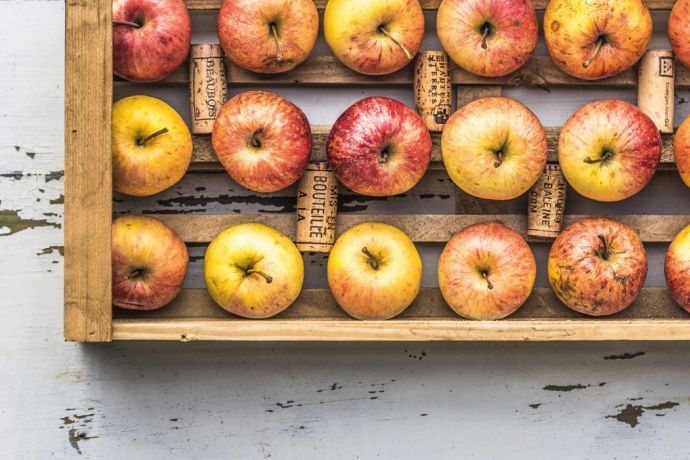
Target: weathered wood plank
{"points": [[426, 4], [430, 228], [326, 70], [88, 190], [653, 302]]}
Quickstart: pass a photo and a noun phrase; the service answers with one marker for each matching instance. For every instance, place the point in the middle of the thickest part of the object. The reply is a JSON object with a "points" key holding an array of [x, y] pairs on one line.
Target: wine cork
{"points": [[655, 88], [432, 88], [208, 88], [317, 204], [546, 203]]}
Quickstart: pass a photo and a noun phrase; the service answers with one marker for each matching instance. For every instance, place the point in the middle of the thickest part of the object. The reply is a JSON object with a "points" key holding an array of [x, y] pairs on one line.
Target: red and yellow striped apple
{"points": [[490, 38], [682, 150], [609, 150], [677, 268], [374, 271], [679, 31], [486, 271], [597, 266], [494, 148], [149, 263]]}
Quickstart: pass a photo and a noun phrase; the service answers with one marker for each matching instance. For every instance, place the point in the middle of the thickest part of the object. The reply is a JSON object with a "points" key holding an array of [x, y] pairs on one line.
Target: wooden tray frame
{"points": [[88, 311]]}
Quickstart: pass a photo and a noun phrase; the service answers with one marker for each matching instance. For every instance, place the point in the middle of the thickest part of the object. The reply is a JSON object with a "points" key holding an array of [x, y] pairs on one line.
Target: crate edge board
{"points": [[421, 228], [400, 330], [88, 190]]}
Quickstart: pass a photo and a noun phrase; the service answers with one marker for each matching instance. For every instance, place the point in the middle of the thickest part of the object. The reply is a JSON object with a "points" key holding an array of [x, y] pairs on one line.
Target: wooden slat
{"points": [[653, 302], [400, 330], [426, 4], [88, 190], [326, 70], [205, 157], [421, 228]]}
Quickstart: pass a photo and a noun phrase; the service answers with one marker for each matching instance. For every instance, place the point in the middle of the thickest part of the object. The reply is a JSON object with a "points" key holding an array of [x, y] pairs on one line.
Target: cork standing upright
{"points": [[546, 203], [655, 93], [317, 204], [207, 85], [432, 88]]}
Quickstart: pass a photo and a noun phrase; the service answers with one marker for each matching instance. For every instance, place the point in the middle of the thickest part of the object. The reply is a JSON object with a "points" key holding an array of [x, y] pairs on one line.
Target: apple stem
{"points": [[387, 34], [127, 23], [604, 249], [499, 158], [274, 32], [485, 275], [604, 156], [600, 41], [269, 279], [372, 260], [142, 142], [486, 30]]}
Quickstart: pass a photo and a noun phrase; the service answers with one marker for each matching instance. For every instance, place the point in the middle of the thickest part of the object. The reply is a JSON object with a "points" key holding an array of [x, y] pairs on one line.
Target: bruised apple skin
{"points": [[682, 151], [679, 31], [677, 268], [595, 39], [151, 38], [494, 148], [597, 266], [486, 271], [149, 263], [262, 140], [490, 38], [374, 37], [268, 36], [609, 150], [379, 147]]}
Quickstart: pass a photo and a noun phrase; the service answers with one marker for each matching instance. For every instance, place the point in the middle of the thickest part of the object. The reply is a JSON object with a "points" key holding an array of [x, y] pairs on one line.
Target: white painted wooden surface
{"points": [[158, 400]]}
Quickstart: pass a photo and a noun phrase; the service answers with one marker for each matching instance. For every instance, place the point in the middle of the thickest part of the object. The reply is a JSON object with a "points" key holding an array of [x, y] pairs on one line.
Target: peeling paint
{"points": [[58, 200], [626, 355], [630, 414], [535, 405], [75, 437], [51, 250], [566, 388], [11, 222]]}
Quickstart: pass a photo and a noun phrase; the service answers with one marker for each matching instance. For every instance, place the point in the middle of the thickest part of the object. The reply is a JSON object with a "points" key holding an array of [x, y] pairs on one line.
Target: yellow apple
{"points": [[152, 146], [253, 270], [374, 37], [374, 271], [677, 268]]}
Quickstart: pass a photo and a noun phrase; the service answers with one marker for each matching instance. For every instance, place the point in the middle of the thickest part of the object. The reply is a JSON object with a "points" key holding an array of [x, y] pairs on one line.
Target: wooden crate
{"points": [[314, 316]]}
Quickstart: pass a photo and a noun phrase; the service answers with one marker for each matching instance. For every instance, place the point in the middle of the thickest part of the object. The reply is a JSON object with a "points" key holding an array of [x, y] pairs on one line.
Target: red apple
{"points": [[594, 39], [268, 36], [379, 147], [597, 266], [486, 271], [679, 31], [609, 150], [677, 268], [151, 38], [490, 38], [149, 263], [682, 150], [262, 140]]}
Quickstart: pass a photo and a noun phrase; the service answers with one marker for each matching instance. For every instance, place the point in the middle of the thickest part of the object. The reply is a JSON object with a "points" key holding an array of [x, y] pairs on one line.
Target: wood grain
{"points": [[539, 71], [430, 228], [426, 4], [88, 189]]}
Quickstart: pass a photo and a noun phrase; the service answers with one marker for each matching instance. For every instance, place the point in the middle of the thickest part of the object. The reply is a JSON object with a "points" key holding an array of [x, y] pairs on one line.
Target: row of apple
{"points": [[597, 266], [493, 148], [491, 38]]}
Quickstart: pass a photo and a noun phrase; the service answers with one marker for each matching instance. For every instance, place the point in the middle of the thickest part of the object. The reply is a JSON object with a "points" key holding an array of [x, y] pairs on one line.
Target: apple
{"points": [[262, 140], [253, 270], [597, 266], [682, 150], [374, 271], [679, 31], [609, 150], [149, 263], [595, 39], [151, 144], [379, 147], [374, 37], [151, 38], [486, 271], [677, 268], [268, 36], [490, 38], [494, 148]]}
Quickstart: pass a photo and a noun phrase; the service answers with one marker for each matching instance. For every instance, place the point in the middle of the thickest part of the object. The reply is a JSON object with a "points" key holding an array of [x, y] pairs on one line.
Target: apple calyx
{"points": [[269, 279], [485, 275], [136, 274], [255, 139], [384, 154], [373, 261], [487, 31], [606, 155], [603, 251], [601, 40], [142, 141], [274, 32], [132, 24], [500, 156], [402, 47]]}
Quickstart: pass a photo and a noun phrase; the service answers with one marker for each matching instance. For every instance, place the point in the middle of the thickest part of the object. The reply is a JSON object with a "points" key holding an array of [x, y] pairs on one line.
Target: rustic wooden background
{"points": [[228, 400]]}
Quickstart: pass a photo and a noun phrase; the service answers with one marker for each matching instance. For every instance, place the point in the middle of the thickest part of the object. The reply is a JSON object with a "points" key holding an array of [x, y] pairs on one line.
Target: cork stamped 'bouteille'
{"points": [[317, 204]]}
